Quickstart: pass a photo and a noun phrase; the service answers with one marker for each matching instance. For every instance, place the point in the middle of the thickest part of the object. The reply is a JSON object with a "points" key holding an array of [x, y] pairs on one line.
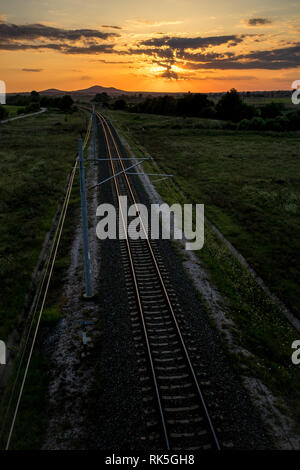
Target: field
{"points": [[13, 110], [32, 182], [249, 183]]}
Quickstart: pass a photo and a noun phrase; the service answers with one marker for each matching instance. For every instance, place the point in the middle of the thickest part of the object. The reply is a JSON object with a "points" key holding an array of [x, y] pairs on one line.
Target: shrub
{"points": [[232, 108], [271, 110], [32, 108], [3, 112], [294, 120], [257, 124], [274, 125], [229, 125], [244, 125]]}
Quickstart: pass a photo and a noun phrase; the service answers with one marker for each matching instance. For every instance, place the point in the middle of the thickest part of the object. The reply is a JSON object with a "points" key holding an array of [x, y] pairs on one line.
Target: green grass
{"points": [[266, 100], [39, 153], [249, 183], [32, 415], [244, 199], [13, 110], [35, 158]]}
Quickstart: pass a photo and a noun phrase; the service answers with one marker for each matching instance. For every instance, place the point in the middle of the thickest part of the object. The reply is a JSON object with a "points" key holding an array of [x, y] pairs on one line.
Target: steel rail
{"points": [[182, 342], [164, 425]]}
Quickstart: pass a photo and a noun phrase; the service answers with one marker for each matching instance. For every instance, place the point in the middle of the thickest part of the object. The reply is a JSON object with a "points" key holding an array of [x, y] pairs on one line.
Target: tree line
{"points": [[34, 101], [230, 107]]}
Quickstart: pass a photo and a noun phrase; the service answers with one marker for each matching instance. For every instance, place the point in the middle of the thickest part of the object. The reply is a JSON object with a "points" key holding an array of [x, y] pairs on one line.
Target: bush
{"points": [[32, 108], [120, 104], [284, 122], [274, 125], [209, 112], [232, 108], [272, 110], [257, 124], [3, 113], [294, 120], [244, 125], [229, 125]]}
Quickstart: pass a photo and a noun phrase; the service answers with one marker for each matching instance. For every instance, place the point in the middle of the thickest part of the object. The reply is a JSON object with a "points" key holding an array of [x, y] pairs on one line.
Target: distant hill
{"points": [[93, 90]]}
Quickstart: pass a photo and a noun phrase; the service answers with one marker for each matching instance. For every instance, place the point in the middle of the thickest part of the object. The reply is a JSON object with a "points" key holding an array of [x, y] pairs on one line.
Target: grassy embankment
{"points": [[249, 183], [36, 156]]}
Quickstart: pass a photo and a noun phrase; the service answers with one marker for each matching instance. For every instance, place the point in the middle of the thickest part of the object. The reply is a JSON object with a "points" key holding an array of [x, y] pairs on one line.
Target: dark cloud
{"points": [[103, 61], [173, 50], [12, 32], [258, 21], [110, 26], [276, 59], [155, 52], [180, 43], [32, 70], [40, 38], [90, 49], [14, 46], [169, 74], [63, 48]]}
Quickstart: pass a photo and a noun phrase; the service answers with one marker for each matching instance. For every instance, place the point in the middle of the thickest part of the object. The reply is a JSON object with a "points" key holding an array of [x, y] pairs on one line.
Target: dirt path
{"points": [[24, 116]]}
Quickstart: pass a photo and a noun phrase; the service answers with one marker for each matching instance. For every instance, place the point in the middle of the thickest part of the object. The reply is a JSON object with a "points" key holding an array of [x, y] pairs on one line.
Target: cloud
{"points": [[32, 70], [63, 48], [149, 23], [179, 50], [111, 27], [169, 73], [193, 43], [41, 37], [3, 18], [85, 77], [39, 31], [155, 52], [275, 59], [233, 77], [258, 21], [103, 61]]}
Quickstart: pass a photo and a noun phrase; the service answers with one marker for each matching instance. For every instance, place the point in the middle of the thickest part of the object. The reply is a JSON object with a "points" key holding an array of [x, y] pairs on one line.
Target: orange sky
{"points": [[166, 45]]}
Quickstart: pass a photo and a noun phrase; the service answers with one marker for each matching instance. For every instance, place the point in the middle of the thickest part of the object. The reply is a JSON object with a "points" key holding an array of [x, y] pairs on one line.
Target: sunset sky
{"points": [[158, 45]]}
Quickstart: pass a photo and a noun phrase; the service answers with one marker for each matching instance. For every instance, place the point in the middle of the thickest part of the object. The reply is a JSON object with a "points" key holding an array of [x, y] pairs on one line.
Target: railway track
{"points": [[176, 413]]}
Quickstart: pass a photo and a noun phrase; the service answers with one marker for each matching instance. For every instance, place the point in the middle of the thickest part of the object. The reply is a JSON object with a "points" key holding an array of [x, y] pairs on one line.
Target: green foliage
{"points": [[294, 120], [3, 113], [120, 104], [272, 110], [101, 98], [32, 107], [232, 108], [190, 104], [63, 103]]}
